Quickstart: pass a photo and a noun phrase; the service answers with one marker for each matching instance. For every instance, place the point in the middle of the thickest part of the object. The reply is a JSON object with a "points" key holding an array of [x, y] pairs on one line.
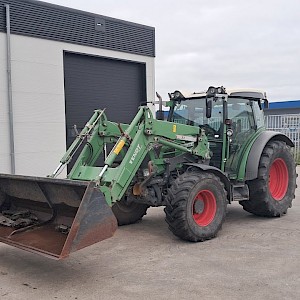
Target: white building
{"points": [[64, 64]]}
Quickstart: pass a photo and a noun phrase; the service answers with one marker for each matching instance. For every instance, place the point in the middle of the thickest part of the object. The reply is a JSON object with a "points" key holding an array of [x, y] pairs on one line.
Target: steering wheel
{"points": [[209, 130]]}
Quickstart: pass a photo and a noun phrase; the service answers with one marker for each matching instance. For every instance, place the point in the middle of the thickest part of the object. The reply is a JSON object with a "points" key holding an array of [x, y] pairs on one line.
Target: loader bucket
{"points": [[52, 217]]}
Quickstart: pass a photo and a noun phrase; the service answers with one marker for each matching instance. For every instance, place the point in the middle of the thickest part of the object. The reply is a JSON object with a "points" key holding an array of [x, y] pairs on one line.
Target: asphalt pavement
{"points": [[251, 258]]}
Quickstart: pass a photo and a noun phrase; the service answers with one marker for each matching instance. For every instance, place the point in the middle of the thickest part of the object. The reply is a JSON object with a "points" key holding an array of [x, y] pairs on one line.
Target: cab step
{"points": [[240, 192]]}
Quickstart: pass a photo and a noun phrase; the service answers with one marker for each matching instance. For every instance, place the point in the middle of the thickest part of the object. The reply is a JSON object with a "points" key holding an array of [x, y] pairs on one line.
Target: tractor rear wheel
{"points": [[272, 193], [197, 206], [128, 212]]}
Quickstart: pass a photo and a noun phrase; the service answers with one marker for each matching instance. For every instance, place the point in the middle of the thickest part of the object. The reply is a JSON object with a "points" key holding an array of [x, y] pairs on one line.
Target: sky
{"points": [[199, 43]]}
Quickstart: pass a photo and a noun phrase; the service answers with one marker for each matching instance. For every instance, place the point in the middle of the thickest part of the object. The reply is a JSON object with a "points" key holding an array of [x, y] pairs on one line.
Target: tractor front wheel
{"points": [[128, 212], [272, 193], [197, 206]]}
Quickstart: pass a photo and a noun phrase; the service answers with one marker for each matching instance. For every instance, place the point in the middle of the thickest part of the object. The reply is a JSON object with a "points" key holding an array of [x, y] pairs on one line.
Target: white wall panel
{"points": [[38, 165], [3, 65], [4, 163], [3, 107], [31, 77], [35, 50], [4, 139], [38, 137], [39, 107]]}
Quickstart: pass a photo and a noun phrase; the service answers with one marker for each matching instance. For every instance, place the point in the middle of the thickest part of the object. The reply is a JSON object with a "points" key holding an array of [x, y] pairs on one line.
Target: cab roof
{"points": [[251, 93]]}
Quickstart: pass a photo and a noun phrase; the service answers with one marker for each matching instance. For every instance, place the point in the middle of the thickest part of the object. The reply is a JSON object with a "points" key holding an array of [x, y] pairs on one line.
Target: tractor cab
{"points": [[230, 119]]}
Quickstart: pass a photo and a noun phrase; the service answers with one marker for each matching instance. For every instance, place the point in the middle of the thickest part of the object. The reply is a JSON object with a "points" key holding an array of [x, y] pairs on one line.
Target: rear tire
{"points": [[272, 193], [128, 213], [197, 206]]}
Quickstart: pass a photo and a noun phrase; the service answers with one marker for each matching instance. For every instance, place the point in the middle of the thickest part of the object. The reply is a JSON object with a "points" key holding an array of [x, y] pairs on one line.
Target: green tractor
{"points": [[213, 149]]}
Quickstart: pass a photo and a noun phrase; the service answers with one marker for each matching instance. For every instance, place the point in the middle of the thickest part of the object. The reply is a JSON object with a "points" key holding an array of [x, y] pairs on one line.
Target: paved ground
{"points": [[252, 258]]}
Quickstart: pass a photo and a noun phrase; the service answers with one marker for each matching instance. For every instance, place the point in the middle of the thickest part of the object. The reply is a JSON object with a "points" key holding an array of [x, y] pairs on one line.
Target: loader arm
{"points": [[135, 142]]}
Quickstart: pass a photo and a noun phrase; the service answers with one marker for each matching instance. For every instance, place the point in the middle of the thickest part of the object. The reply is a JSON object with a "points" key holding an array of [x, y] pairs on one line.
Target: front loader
{"points": [[213, 149]]}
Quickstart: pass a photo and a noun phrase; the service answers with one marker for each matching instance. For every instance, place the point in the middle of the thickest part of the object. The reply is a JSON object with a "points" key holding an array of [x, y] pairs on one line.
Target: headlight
{"points": [[176, 96], [212, 91], [229, 132]]}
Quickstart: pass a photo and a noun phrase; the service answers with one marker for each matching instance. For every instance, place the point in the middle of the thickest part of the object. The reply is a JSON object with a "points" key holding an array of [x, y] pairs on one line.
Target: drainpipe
{"points": [[9, 86]]}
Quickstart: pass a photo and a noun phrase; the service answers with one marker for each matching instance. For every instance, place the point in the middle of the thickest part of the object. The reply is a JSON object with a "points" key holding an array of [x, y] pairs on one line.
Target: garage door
{"points": [[98, 82]]}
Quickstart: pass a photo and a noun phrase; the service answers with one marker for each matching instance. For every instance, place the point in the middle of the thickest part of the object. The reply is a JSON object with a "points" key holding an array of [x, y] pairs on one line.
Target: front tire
{"points": [[128, 212], [272, 193], [197, 206]]}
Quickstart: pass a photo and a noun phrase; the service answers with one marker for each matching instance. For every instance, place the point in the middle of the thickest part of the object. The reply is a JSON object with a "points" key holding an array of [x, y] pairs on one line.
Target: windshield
{"points": [[193, 112], [242, 112]]}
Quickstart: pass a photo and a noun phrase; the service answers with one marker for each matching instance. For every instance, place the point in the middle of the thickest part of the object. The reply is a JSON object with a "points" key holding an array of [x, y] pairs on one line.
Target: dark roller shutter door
{"points": [[98, 82]]}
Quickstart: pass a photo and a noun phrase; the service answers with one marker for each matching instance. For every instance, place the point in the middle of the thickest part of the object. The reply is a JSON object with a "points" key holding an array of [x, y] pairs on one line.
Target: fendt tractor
{"points": [[213, 149]]}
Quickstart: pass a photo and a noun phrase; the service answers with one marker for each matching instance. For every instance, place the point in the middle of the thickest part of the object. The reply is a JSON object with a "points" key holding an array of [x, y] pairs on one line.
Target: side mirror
{"points": [[208, 107]]}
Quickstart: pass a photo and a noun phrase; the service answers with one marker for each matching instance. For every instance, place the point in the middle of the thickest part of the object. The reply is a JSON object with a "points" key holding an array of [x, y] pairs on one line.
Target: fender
{"points": [[257, 148], [215, 171]]}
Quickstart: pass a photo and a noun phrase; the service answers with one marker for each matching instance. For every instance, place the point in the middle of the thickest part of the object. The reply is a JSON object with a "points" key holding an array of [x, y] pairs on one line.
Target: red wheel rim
{"points": [[278, 179], [204, 208]]}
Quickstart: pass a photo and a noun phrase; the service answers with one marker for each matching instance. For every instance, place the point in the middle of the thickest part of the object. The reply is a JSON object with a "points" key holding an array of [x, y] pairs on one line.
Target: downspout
{"points": [[9, 86]]}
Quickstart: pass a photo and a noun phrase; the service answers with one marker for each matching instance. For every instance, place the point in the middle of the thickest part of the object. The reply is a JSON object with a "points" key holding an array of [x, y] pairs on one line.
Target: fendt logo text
{"points": [[135, 153]]}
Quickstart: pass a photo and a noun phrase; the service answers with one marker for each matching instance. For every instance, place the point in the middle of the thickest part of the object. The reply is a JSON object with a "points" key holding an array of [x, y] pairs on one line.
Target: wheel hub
{"points": [[204, 208], [278, 179], [198, 206]]}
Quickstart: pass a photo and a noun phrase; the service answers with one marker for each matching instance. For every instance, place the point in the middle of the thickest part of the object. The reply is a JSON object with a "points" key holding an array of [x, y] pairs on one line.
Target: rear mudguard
{"points": [[251, 171]]}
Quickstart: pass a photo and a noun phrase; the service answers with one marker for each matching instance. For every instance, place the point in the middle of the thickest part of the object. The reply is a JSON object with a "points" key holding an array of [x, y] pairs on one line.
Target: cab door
{"points": [[240, 112]]}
